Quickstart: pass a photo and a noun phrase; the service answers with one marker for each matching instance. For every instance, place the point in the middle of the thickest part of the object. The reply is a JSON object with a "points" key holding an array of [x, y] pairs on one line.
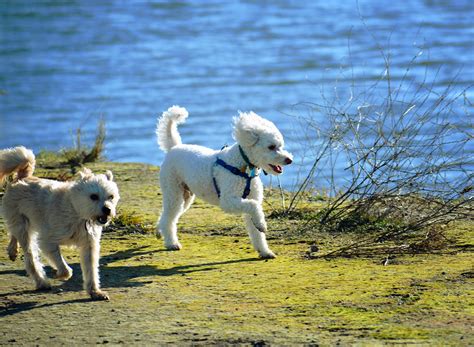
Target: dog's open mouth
{"points": [[102, 219], [277, 168]]}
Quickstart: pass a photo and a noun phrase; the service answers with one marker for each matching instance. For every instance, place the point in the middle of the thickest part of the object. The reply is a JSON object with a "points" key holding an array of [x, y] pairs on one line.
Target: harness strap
{"points": [[237, 172], [216, 187]]}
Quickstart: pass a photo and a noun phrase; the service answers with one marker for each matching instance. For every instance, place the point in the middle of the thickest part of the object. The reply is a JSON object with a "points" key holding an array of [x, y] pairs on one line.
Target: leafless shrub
{"points": [[406, 157], [80, 155]]}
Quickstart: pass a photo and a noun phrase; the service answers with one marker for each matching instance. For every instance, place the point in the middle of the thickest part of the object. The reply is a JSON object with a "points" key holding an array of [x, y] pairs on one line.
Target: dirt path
{"points": [[215, 290]]}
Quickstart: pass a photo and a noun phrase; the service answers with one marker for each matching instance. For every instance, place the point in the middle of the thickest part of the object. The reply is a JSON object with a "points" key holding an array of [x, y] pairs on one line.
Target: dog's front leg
{"points": [[258, 238], [254, 219], [90, 254], [235, 205], [53, 253]]}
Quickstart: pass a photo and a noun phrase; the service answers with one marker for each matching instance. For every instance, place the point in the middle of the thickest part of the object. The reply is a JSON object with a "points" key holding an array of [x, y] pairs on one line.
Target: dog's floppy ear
{"points": [[85, 173], [109, 175], [248, 138], [244, 130]]}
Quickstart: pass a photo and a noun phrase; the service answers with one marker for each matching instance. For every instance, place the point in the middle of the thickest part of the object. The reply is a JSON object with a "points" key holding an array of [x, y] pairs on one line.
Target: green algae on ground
{"points": [[215, 290]]}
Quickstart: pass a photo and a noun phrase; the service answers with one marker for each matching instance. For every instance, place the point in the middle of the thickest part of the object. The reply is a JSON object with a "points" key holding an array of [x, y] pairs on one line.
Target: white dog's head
{"points": [[95, 197], [262, 142]]}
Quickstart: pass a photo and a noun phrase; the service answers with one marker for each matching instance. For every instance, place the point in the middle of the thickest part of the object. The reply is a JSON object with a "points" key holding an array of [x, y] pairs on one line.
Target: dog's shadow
{"points": [[130, 275], [121, 276]]}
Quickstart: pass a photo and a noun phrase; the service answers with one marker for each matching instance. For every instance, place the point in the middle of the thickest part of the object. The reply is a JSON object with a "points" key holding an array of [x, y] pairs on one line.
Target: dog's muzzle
{"points": [[104, 218]]}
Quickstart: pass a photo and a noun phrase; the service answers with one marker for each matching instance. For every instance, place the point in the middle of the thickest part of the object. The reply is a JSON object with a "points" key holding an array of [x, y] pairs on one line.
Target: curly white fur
{"points": [[167, 128], [188, 170], [43, 214]]}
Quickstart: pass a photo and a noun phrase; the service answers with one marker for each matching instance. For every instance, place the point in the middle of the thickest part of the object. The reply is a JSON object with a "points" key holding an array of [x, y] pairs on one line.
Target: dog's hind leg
{"points": [[173, 207], [12, 248], [33, 265], [53, 253], [259, 241], [188, 198]]}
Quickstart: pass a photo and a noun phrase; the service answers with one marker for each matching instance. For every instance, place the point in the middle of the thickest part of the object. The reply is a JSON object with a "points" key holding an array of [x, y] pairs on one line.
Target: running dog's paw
{"points": [[99, 295], [64, 276], [267, 255], [173, 246], [43, 285]]}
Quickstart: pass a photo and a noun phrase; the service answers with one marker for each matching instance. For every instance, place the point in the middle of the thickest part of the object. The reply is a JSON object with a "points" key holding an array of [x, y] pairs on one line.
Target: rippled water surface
{"points": [[66, 64]]}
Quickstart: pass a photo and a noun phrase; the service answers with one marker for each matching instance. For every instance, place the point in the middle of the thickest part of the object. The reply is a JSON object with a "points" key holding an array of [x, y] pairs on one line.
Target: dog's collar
{"points": [[251, 166], [246, 159]]}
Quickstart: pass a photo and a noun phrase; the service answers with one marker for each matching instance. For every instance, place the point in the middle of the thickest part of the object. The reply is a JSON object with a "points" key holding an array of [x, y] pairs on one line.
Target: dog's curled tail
{"points": [[167, 127], [19, 159]]}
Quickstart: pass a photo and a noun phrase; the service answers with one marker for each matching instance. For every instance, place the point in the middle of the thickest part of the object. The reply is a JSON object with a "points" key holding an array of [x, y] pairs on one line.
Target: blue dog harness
{"points": [[237, 172]]}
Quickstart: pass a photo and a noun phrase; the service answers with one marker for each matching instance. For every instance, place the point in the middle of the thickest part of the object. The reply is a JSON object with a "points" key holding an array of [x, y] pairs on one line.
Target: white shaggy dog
{"points": [[45, 214], [227, 178]]}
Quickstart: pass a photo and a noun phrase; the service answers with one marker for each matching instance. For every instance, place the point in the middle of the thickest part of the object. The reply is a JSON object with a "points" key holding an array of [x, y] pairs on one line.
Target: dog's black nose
{"points": [[106, 210], [288, 161]]}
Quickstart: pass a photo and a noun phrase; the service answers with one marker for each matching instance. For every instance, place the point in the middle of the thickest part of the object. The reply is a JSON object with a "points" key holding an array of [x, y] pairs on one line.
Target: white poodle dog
{"points": [[228, 178], [45, 214]]}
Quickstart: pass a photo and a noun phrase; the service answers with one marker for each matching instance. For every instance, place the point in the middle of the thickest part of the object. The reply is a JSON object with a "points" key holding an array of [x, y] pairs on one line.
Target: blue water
{"points": [[66, 64]]}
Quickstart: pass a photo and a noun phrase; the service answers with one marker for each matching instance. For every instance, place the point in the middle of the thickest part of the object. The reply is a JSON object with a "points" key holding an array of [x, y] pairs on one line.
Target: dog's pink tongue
{"points": [[276, 168]]}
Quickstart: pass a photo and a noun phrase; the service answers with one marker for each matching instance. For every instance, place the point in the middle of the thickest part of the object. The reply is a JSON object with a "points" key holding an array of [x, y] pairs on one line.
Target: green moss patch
{"points": [[216, 291]]}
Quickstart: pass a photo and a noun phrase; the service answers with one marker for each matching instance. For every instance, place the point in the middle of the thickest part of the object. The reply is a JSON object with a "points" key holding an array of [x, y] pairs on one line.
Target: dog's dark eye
{"points": [[111, 197], [272, 147], [94, 197]]}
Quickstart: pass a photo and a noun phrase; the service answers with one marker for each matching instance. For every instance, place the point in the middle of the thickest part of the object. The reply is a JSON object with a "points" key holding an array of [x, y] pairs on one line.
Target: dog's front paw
{"points": [[175, 246], [99, 295], [267, 255], [65, 275], [43, 285]]}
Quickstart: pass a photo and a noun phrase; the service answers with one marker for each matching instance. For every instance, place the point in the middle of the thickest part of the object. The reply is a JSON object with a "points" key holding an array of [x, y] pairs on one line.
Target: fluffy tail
{"points": [[167, 127], [19, 160]]}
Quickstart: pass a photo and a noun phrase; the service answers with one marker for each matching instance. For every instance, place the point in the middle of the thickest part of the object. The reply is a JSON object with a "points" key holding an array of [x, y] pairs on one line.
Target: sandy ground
{"points": [[216, 291]]}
